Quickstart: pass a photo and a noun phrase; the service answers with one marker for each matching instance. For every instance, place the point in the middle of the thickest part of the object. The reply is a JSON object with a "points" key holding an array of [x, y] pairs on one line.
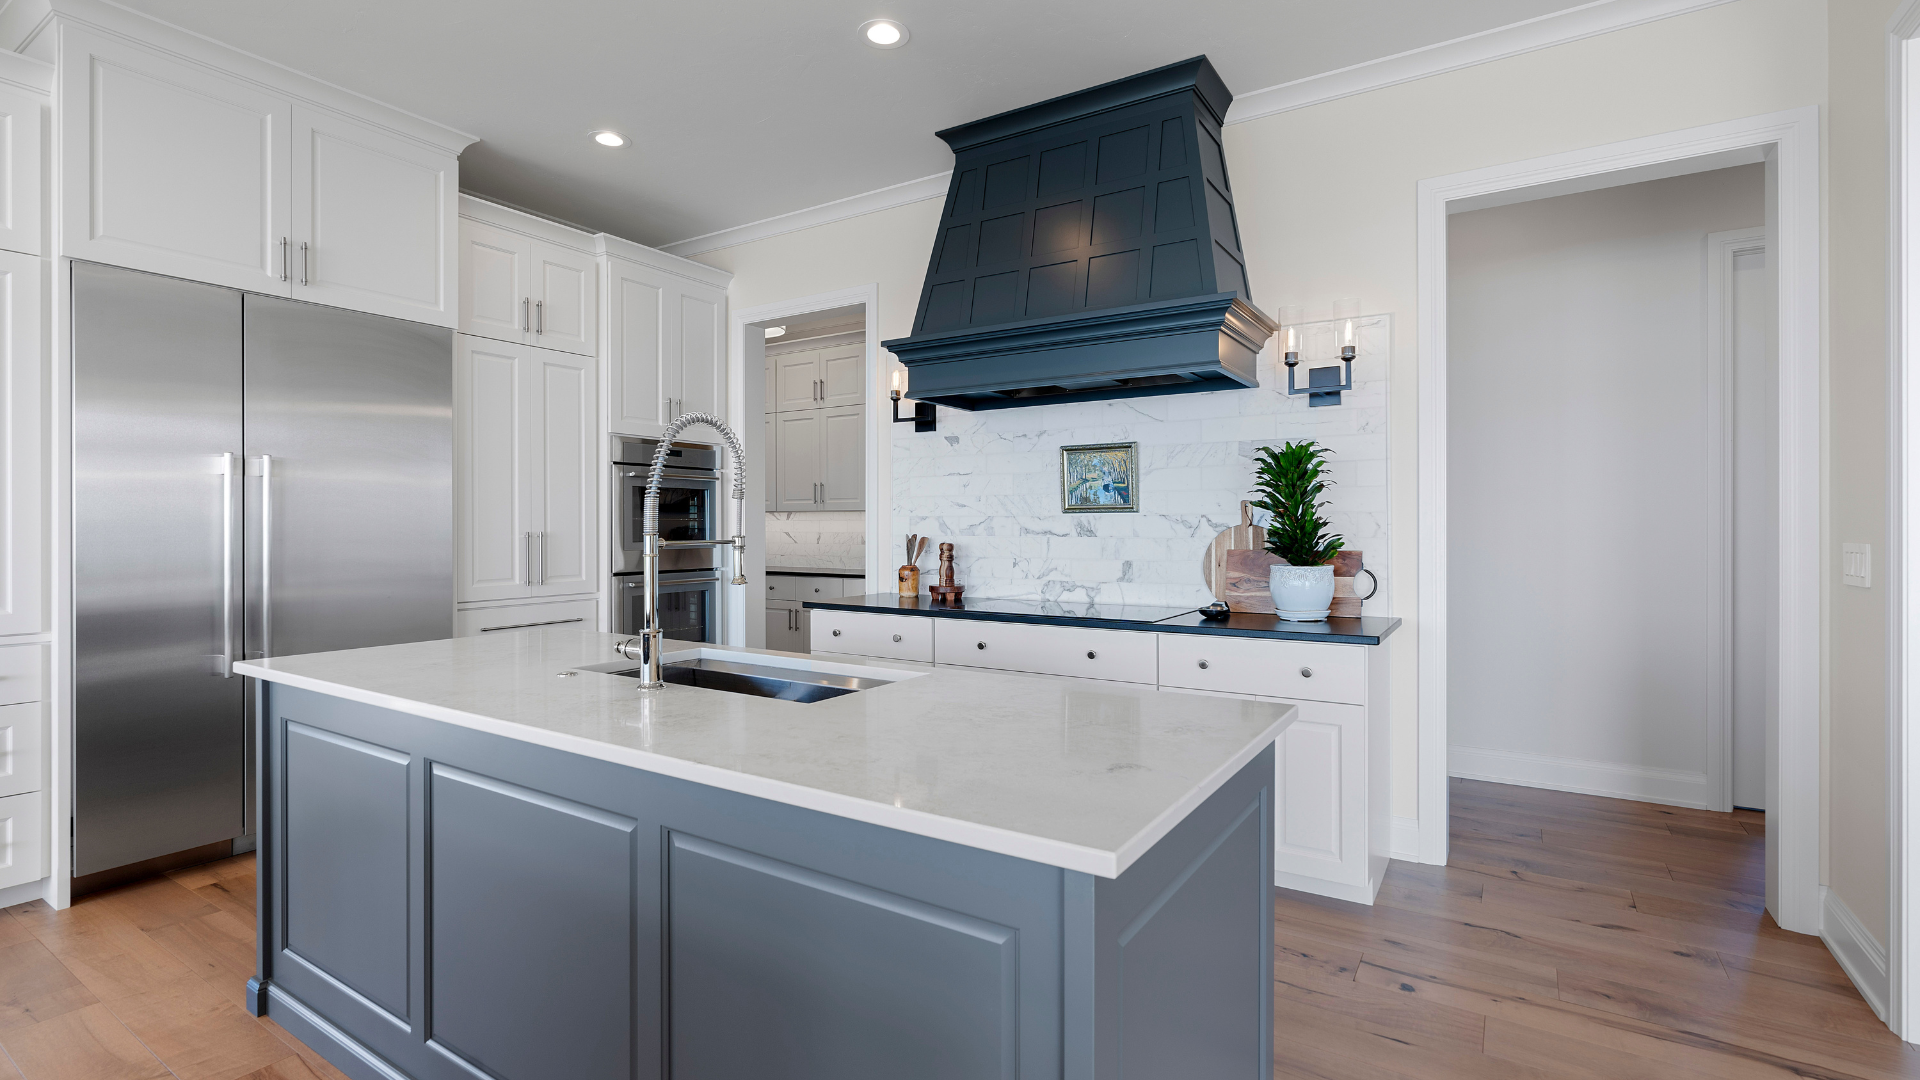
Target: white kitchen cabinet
{"points": [[818, 378], [796, 382], [818, 459], [373, 221], [23, 764], [843, 458], [477, 620], [176, 168], [20, 737], [666, 347], [23, 408], [521, 288], [1082, 652], [20, 170], [857, 633], [525, 471], [23, 838]]}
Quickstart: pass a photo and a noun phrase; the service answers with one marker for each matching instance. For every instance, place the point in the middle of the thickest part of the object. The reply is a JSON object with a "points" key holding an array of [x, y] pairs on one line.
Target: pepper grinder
{"points": [[946, 591]]}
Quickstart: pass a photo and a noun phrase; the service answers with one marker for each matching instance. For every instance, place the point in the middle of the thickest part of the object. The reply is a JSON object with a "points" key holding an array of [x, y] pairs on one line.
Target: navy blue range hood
{"points": [[1088, 251]]}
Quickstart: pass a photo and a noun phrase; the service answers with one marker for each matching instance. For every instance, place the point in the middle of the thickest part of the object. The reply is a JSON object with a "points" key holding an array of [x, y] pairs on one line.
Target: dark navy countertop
{"points": [[1370, 630]]}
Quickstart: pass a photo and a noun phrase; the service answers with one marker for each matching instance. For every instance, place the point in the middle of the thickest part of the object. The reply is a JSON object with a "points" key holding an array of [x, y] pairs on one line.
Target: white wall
{"points": [[1579, 486], [1325, 199]]}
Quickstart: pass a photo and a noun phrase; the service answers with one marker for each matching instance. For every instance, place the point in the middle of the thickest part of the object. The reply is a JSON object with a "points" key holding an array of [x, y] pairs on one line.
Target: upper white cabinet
{"points": [[20, 170], [666, 346], [515, 287], [818, 378], [177, 168], [817, 459], [22, 433]]}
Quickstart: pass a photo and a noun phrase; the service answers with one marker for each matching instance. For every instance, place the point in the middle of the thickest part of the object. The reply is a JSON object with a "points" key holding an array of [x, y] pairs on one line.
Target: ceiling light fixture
{"points": [[775, 331], [883, 33], [609, 138]]}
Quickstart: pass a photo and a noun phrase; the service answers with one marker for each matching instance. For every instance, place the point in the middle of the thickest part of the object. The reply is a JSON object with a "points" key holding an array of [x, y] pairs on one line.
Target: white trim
{"points": [[1852, 944], [1722, 247], [1794, 830], [1903, 522], [1404, 840], [1641, 783], [1543, 32], [24, 893], [886, 198], [1338, 890]]}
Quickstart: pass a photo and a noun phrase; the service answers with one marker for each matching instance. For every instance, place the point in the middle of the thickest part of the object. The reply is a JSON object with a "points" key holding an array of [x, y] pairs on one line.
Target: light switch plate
{"points": [[1856, 565]]}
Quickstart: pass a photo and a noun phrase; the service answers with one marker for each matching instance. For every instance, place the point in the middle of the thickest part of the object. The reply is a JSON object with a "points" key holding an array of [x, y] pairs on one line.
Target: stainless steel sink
{"points": [[754, 680]]}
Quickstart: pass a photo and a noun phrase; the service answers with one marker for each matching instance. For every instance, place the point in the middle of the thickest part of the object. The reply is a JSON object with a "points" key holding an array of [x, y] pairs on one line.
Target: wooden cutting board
{"points": [[1236, 565]]}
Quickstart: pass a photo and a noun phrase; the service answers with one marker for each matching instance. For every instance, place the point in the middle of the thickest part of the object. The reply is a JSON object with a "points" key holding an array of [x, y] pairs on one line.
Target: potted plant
{"points": [[1289, 483]]}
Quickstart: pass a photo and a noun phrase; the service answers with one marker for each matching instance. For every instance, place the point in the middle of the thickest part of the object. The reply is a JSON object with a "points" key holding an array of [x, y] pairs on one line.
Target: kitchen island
{"points": [[497, 857]]}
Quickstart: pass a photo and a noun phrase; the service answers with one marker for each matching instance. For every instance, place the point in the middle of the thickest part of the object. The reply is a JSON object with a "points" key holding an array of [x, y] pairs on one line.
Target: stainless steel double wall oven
{"points": [[689, 510]]}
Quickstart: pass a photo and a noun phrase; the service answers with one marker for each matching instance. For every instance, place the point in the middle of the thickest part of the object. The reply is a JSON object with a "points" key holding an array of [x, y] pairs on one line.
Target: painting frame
{"points": [[1075, 463]]}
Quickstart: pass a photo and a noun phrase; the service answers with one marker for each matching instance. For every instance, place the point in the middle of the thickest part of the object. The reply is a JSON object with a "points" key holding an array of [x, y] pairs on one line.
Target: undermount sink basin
{"points": [[754, 680]]}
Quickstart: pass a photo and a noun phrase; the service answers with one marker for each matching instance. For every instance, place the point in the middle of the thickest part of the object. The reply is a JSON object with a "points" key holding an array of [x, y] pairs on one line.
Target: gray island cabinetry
{"points": [[495, 858]]}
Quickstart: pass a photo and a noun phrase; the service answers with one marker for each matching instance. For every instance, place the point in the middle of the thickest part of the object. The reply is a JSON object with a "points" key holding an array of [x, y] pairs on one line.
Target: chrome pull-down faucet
{"points": [[650, 542]]}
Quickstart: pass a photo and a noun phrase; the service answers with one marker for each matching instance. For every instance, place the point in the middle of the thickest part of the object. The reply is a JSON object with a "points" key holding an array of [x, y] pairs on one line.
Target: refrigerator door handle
{"points": [[229, 465], [266, 555]]}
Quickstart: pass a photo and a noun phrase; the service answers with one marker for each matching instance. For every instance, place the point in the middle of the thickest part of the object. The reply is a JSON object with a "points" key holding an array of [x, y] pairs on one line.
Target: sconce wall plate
{"points": [[922, 418]]}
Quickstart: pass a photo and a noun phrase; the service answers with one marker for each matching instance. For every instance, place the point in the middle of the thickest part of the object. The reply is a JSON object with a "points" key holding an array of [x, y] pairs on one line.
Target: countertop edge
{"points": [[1117, 624], [1057, 853]]}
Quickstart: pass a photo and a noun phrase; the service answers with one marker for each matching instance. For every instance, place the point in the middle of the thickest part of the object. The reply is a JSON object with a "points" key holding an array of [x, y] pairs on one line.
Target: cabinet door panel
{"points": [[796, 381], [20, 170], [843, 371], [23, 847], [373, 219], [843, 473], [170, 168], [801, 442], [703, 361], [1320, 815], [22, 407], [495, 285], [566, 473], [21, 728], [566, 296], [490, 483], [637, 306]]}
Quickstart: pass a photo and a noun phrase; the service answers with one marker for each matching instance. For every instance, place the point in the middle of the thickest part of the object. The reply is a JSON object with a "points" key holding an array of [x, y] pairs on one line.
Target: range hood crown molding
{"points": [[1088, 250]]}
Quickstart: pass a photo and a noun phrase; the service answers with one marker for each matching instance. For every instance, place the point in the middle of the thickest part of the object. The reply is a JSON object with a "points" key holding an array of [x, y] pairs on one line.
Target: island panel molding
{"points": [[544, 891]]}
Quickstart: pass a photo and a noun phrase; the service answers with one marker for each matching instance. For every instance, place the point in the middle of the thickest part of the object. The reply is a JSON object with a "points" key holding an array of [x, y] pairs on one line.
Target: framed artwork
{"points": [[1101, 478]]}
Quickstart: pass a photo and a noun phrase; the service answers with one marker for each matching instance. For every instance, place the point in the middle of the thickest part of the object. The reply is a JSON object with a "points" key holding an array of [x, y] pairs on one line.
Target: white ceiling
{"points": [[746, 109]]}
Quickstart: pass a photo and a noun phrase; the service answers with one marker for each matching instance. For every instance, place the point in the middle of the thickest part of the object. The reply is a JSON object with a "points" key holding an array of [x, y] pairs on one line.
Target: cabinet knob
{"points": [[1306, 673], [979, 644], [896, 637], [1090, 654], [836, 633], [1203, 663]]}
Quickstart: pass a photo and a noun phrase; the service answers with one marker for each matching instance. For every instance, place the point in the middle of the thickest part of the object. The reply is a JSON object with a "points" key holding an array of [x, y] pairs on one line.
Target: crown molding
{"points": [[526, 222], [1545, 31], [664, 261], [25, 26], [886, 198]]}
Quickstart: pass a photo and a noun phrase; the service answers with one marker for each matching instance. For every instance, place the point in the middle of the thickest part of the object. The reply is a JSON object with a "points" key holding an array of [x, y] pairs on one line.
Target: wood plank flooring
{"points": [[141, 982], [1570, 938]]}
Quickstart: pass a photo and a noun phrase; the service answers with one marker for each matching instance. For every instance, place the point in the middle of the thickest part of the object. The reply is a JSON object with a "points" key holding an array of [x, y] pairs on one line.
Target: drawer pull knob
{"points": [[1203, 665], [836, 633], [979, 644], [1306, 673], [896, 637], [1089, 654]]}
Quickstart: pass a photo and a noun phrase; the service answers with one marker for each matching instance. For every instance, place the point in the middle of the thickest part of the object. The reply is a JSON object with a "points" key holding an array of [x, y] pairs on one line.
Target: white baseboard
{"points": [[1339, 890], [1404, 843], [1859, 952], [1640, 783], [23, 893]]}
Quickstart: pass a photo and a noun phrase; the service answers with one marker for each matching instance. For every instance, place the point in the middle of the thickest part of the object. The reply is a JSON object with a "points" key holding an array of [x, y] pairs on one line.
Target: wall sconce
{"points": [[923, 417], [1324, 384]]}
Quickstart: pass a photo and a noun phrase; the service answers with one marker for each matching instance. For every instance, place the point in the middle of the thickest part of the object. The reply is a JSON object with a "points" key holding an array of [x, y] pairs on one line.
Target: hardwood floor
{"points": [[140, 982], [1570, 938]]}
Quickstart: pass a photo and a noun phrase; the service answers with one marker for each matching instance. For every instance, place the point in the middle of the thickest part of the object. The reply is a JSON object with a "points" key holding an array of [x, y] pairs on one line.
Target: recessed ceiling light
{"points": [[775, 331], [609, 138], [883, 33]]}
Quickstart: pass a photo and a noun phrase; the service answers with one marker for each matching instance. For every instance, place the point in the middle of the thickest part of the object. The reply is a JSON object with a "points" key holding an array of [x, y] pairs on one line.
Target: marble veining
{"points": [[1082, 775], [990, 482]]}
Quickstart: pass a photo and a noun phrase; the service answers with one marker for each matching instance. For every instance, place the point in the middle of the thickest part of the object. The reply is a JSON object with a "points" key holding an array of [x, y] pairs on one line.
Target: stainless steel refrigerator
{"points": [[251, 477]]}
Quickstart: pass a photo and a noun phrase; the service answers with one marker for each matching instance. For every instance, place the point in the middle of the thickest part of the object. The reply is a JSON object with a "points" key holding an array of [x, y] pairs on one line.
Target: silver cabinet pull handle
{"points": [[304, 275], [896, 637], [540, 316], [1306, 673], [1203, 664], [541, 539], [526, 549], [526, 318], [229, 464], [266, 555], [524, 625], [283, 258]]}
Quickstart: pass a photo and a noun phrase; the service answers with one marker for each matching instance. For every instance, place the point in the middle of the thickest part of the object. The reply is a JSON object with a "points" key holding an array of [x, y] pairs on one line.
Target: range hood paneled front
{"points": [[1088, 250]]}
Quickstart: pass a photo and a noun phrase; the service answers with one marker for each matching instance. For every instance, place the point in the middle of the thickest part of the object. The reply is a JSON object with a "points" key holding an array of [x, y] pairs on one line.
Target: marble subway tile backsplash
{"points": [[831, 539], [990, 482]]}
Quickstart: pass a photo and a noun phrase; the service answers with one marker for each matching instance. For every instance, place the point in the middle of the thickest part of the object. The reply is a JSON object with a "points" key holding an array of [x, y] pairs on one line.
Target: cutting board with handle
{"points": [[1236, 567]]}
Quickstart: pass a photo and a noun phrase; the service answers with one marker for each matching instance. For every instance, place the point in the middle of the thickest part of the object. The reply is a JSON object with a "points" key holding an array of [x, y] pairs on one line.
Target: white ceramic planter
{"points": [[1301, 593]]}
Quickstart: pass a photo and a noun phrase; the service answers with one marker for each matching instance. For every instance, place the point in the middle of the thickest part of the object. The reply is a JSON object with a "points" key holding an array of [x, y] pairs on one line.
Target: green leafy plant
{"points": [[1289, 482]]}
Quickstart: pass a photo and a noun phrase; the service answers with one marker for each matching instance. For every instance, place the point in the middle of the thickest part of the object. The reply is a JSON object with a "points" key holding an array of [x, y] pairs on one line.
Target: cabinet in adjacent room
{"points": [[519, 288], [667, 343], [817, 378], [817, 459], [526, 471]]}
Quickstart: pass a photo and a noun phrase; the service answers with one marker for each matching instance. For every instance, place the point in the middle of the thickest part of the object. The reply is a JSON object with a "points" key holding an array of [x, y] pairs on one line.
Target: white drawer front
{"points": [[819, 588], [1284, 669], [1115, 655], [23, 848], [571, 614], [782, 587], [20, 678], [20, 731], [895, 637]]}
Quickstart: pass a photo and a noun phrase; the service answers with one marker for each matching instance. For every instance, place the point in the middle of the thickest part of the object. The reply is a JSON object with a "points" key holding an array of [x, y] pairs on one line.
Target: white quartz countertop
{"points": [[1076, 774]]}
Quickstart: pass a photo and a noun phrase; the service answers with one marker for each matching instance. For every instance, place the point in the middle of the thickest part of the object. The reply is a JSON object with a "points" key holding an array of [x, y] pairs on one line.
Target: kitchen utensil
{"points": [[919, 552], [1245, 536]]}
